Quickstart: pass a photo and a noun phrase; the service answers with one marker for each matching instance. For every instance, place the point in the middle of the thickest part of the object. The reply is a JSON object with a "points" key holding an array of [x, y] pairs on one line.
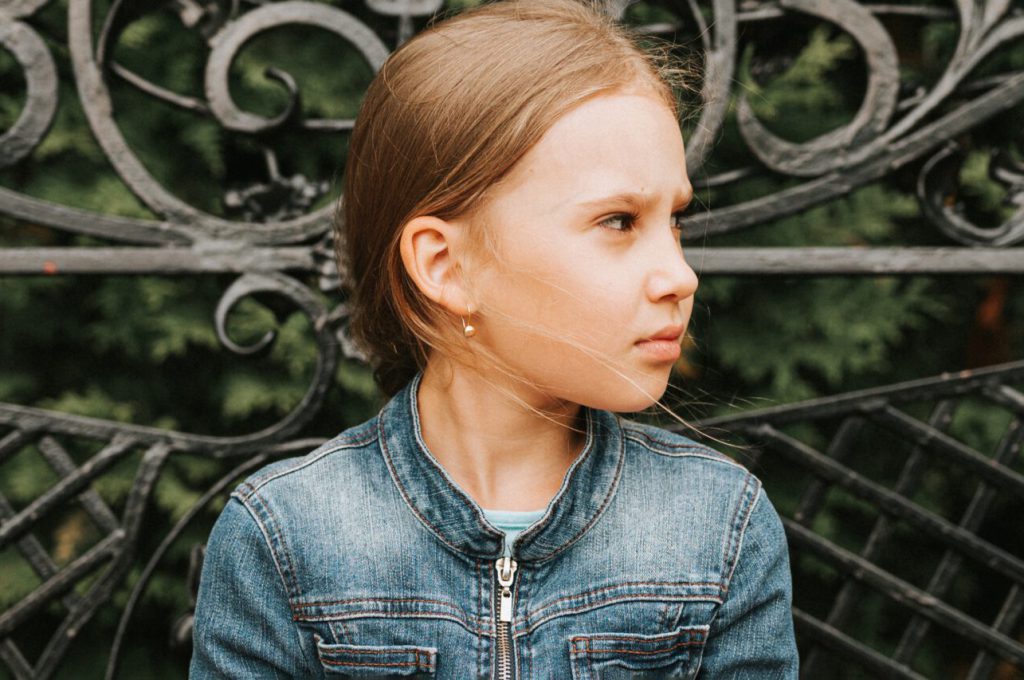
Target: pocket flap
{"points": [[376, 661], [631, 650]]}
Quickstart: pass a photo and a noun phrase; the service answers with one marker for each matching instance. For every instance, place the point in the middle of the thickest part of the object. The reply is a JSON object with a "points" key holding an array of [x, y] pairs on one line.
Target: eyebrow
{"points": [[637, 200]]}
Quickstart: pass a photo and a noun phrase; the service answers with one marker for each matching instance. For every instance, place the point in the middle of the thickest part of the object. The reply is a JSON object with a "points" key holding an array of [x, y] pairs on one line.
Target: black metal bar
{"points": [[720, 261], [814, 496], [840, 182], [1008, 397], [949, 564], [953, 536], [906, 594], [1009, 617], [145, 477], [15, 661], [153, 261], [12, 443], [981, 465], [35, 211], [851, 261], [950, 384], [100, 590], [881, 532], [64, 489], [186, 519], [834, 639], [34, 553], [62, 464], [97, 428], [106, 548]]}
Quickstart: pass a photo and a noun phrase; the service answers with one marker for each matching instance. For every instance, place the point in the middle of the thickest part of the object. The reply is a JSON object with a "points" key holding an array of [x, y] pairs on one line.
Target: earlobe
{"points": [[427, 246]]}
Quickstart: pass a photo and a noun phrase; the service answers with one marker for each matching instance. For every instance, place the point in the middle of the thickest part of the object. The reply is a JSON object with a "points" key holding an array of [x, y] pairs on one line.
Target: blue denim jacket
{"points": [[656, 558]]}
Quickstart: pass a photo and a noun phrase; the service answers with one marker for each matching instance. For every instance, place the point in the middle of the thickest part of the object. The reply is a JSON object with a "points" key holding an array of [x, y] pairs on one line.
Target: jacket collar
{"points": [[458, 521]]}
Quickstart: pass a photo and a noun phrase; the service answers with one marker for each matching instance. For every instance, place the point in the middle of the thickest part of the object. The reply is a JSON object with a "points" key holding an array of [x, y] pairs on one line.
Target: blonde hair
{"points": [[446, 118]]}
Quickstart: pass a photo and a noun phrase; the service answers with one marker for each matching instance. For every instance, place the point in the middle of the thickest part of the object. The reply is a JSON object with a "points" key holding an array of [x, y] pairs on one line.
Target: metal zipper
{"points": [[506, 568]]}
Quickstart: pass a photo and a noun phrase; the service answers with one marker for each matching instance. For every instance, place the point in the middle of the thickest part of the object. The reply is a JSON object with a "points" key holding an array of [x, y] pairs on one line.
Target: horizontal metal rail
{"points": [[809, 261]]}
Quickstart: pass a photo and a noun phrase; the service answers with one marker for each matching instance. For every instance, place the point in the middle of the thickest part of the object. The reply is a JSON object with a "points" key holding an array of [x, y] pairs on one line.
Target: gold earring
{"points": [[467, 329]]}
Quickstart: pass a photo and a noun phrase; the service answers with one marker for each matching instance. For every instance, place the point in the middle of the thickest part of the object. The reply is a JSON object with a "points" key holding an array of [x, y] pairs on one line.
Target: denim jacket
{"points": [[657, 558]]}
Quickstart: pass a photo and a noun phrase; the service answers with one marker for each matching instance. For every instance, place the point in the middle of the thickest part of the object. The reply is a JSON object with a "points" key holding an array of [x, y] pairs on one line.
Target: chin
{"points": [[629, 399], [634, 406]]}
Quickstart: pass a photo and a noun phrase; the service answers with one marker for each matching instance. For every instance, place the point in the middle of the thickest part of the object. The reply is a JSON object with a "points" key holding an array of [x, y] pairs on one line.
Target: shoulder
{"points": [[692, 475], [678, 450], [710, 494], [302, 475]]}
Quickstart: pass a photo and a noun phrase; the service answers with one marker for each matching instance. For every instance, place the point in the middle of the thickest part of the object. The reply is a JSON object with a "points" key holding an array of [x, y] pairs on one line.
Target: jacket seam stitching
{"points": [[484, 585], [695, 445], [731, 539], [595, 591], [328, 603], [727, 580], [607, 499], [465, 623], [417, 431], [264, 531], [743, 532], [286, 571], [586, 453], [402, 491], [696, 450], [257, 483], [587, 649], [530, 627]]}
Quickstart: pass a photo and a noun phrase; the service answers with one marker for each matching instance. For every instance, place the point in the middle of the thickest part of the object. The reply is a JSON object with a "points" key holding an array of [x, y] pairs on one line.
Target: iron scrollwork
{"points": [[279, 238]]}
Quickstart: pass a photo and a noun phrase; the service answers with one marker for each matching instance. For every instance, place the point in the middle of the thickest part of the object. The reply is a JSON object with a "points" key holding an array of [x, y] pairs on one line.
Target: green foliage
{"points": [[151, 318], [19, 579], [805, 100], [852, 329]]}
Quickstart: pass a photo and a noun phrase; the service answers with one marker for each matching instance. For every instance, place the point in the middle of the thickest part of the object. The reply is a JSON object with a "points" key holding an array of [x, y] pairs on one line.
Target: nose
{"points": [[671, 277]]}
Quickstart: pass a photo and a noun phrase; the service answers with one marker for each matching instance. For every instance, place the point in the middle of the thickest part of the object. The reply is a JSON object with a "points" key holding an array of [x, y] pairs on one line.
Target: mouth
{"points": [[661, 349], [668, 334]]}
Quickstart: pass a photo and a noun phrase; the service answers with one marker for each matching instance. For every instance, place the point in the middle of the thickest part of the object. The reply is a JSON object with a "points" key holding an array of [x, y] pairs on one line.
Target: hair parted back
{"points": [[447, 116]]}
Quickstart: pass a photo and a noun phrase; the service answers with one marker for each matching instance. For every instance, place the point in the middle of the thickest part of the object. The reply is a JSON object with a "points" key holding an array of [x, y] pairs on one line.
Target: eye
{"points": [[677, 220], [627, 220]]}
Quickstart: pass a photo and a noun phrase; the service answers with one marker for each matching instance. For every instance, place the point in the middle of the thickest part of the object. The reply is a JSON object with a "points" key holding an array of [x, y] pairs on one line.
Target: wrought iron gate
{"points": [[274, 241]]}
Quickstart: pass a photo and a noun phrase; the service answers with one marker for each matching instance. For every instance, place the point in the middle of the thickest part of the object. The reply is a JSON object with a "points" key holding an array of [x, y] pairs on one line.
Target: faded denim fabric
{"points": [[657, 558]]}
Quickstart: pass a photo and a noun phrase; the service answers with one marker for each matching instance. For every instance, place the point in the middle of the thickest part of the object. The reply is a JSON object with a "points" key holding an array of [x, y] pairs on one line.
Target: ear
{"points": [[428, 245]]}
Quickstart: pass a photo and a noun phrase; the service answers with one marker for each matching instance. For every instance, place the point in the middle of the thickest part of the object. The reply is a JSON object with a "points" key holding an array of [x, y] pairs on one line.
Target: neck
{"points": [[488, 435]]}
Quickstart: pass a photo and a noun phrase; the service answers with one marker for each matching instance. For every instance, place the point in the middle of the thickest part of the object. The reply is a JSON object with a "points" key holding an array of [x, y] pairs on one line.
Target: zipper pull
{"points": [[506, 567]]}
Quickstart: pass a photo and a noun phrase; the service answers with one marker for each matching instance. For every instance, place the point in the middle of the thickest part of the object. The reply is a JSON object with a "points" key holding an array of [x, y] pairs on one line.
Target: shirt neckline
{"points": [[459, 521], [515, 518]]}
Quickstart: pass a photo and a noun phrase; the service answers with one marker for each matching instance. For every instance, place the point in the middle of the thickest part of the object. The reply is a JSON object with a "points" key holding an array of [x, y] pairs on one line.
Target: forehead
{"points": [[609, 143]]}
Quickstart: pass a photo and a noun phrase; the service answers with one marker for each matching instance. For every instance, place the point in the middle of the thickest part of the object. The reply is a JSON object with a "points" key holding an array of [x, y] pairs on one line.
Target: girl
{"points": [[513, 193]]}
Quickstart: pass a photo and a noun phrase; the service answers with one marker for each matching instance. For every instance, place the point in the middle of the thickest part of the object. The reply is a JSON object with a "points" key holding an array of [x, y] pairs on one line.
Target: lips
{"points": [[663, 345], [671, 333]]}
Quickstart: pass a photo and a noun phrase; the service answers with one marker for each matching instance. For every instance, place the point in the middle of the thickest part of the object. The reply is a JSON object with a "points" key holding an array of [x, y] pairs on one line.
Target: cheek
{"points": [[686, 306], [540, 281], [570, 306], [565, 290]]}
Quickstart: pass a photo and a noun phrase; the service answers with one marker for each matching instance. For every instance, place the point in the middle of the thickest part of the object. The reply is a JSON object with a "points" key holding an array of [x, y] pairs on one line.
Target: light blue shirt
{"points": [[512, 522]]}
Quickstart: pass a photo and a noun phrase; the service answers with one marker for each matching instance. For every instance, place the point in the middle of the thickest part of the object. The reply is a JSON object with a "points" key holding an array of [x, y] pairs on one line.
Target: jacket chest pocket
{"points": [[630, 656], [376, 661]]}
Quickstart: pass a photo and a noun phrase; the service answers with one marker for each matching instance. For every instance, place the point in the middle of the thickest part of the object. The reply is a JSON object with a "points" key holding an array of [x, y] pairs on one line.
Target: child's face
{"points": [[574, 269]]}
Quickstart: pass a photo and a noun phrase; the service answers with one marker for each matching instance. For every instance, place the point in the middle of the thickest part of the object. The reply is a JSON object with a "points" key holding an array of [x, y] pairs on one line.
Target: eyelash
{"points": [[630, 218]]}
